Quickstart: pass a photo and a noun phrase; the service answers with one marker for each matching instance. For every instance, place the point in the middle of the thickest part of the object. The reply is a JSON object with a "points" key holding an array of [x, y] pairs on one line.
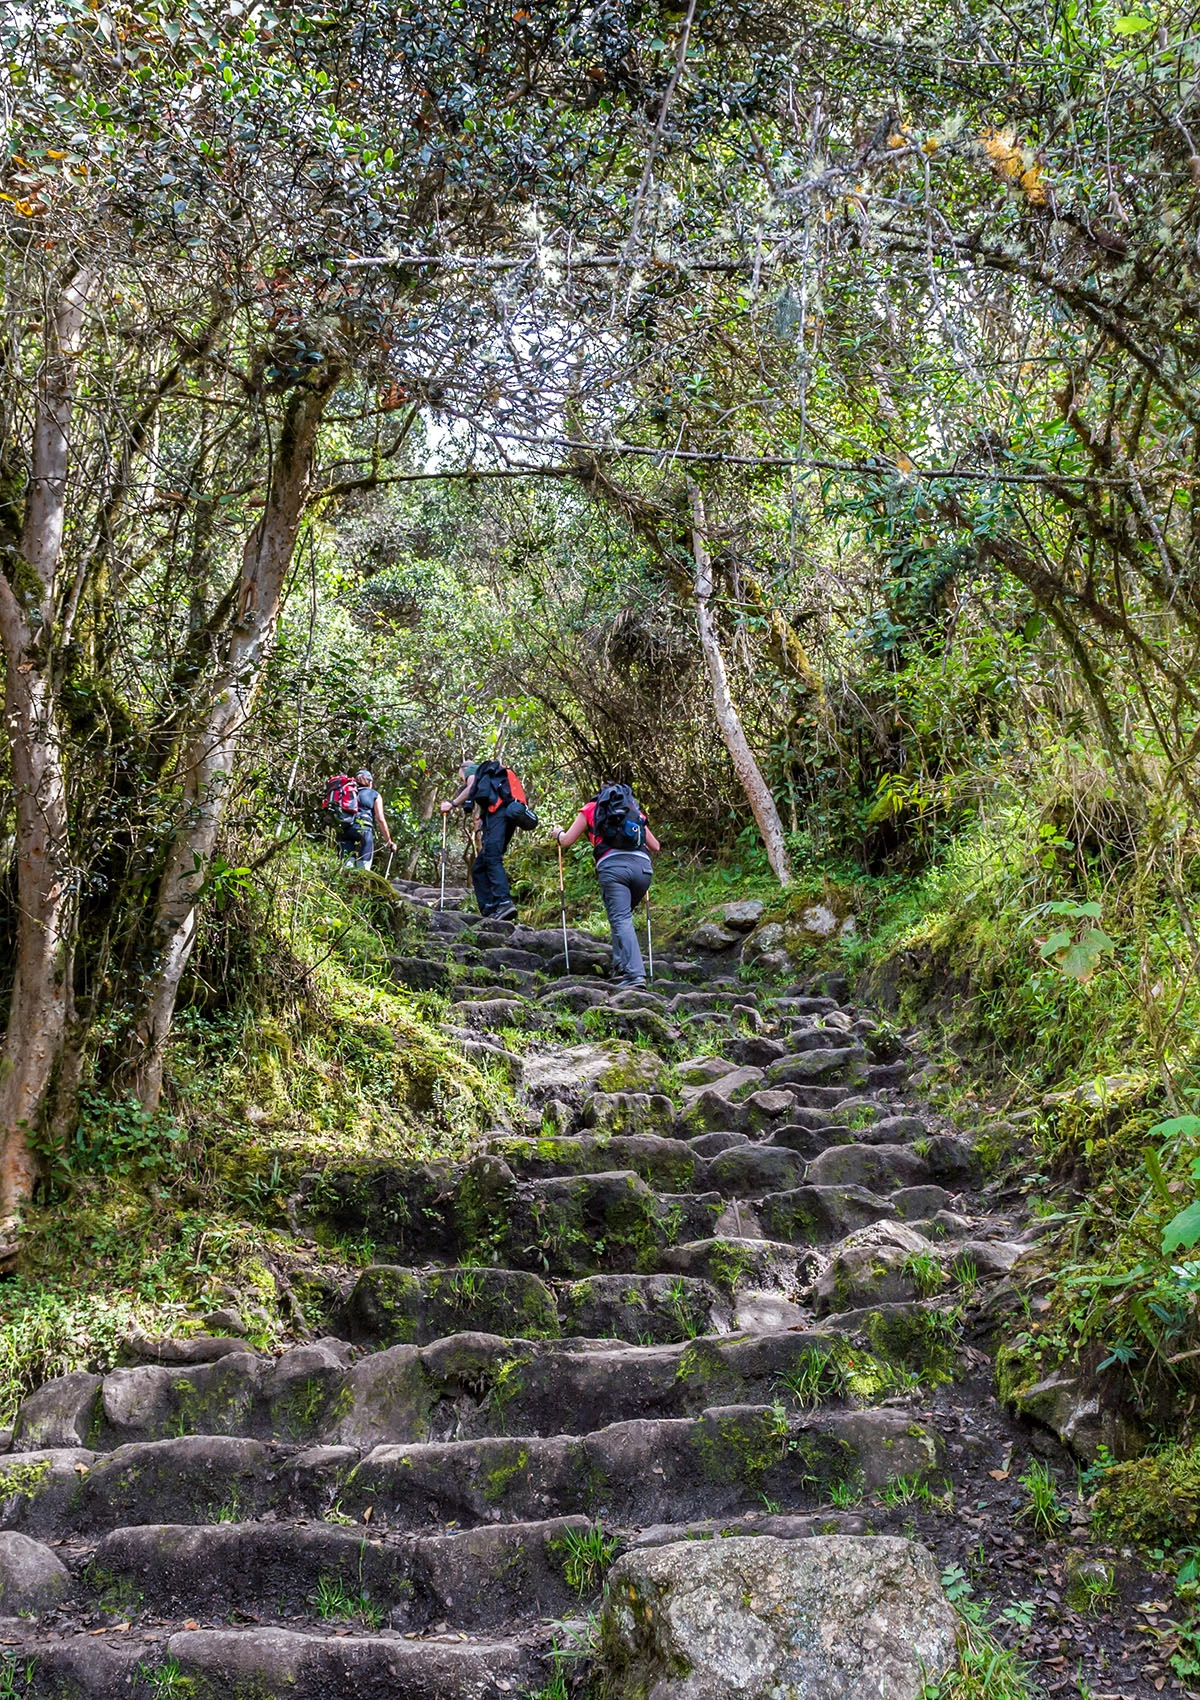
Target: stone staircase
{"points": [[709, 1282]]}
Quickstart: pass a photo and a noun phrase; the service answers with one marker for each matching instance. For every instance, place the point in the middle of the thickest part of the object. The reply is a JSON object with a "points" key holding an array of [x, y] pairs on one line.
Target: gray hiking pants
{"points": [[624, 877]]}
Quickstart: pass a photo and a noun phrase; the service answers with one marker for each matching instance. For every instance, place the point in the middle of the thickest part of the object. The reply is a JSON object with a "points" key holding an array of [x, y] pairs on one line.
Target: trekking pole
{"points": [[562, 903], [649, 941], [387, 872], [442, 898]]}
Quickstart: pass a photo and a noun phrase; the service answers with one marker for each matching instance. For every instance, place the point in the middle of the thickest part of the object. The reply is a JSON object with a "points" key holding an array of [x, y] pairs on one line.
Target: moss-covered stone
{"points": [[1152, 1499]]}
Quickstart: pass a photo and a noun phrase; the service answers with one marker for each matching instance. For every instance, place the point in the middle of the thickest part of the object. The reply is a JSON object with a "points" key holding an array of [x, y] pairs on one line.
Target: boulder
{"points": [[765, 940], [875, 1265], [743, 917], [710, 935], [819, 920], [32, 1579], [833, 1617], [1078, 1408], [734, 1083], [611, 1067], [59, 1414]]}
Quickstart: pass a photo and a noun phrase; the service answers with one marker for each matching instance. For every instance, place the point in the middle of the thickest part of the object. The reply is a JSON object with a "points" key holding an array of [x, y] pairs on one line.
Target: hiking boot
{"points": [[506, 912], [632, 985]]}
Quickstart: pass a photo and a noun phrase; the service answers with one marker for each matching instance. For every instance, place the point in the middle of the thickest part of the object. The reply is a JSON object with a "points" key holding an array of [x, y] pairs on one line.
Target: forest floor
{"points": [[721, 1159]]}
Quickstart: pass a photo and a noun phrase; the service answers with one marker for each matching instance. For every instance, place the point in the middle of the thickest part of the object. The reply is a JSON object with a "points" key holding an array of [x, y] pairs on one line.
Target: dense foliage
{"points": [[396, 385]]}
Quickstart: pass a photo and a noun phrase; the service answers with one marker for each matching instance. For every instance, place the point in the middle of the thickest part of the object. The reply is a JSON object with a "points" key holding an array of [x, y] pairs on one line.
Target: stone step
{"points": [[494, 1577], [284, 1664], [647, 1470], [480, 1579], [588, 1223], [461, 1387], [394, 1306]]}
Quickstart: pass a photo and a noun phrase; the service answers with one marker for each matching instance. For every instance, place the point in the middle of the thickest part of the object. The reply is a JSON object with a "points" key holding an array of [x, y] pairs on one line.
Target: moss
{"points": [[727, 1265], [23, 1480], [920, 1340], [300, 1410], [204, 1409], [498, 1480], [741, 1446], [116, 1596], [632, 1070], [705, 1373], [1152, 1500]]}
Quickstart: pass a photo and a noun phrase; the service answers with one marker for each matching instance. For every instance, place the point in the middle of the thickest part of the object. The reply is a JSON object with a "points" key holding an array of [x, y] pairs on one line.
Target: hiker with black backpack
{"points": [[356, 809], [500, 798], [621, 842]]}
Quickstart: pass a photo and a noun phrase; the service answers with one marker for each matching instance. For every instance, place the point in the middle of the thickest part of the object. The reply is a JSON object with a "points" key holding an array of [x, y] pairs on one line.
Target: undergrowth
{"points": [[186, 1210]]}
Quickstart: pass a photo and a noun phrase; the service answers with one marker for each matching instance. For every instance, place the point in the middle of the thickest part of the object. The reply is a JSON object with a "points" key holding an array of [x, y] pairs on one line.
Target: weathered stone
{"points": [[819, 1064], [32, 1579], [735, 1265], [749, 1171], [643, 1308], [877, 1167], [769, 1105], [1072, 1405], [152, 1401], [874, 1265], [712, 1144], [420, 973], [702, 1071], [744, 915], [835, 1617], [819, 920], [60, 1413], [386, 1398], [765, 940], [819, 1215], [628, 1112], [710, 935], [395, 1306]]}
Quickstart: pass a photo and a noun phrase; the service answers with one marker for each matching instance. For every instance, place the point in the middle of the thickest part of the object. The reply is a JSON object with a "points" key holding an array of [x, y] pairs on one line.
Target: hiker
{"points": [[359, 811], [621, 842], [503, 810]]}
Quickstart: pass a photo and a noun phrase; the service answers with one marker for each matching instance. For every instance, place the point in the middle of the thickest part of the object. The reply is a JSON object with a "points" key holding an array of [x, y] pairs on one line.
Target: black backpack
{"points": [[492, 786], [619, 821], [496, 787]]}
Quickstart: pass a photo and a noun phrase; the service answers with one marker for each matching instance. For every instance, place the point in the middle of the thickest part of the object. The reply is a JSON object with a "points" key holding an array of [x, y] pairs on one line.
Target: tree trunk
{"points": [[209, 745], [41, 992], [758, 793]]}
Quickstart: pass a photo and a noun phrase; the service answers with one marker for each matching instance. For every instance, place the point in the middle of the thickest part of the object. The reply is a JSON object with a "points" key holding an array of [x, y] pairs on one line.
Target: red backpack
{"points": [[341, 797]]}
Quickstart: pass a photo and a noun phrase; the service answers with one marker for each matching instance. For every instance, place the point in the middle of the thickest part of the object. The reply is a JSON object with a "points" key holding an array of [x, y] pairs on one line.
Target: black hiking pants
{"points": [[487, 871]]}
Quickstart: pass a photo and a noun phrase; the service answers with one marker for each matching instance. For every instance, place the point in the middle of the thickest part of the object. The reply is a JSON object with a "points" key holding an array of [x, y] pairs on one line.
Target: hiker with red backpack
{"points": [[503, 809], [356, 808], [621, 842]]}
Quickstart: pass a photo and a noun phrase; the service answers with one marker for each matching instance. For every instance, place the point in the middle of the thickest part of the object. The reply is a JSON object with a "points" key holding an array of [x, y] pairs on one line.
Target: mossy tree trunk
{"points": [[207, 747], [40, 1006]]}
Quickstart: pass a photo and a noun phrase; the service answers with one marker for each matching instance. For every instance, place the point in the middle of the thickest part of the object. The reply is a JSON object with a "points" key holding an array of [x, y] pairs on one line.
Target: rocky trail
{"points": [[724, 1276]]}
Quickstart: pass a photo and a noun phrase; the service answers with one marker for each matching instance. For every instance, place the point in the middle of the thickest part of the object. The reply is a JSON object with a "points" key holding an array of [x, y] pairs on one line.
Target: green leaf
{"points": [[1183, 1231], [1131, 23], [1078, 959], [1188, 1126]]}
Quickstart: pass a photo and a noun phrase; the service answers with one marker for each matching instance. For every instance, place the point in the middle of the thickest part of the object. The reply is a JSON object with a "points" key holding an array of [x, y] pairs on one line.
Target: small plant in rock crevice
{"points": [[165, 1682], [925, 1272], [1042, 1509], [585, 1555], [334, 1600]]}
